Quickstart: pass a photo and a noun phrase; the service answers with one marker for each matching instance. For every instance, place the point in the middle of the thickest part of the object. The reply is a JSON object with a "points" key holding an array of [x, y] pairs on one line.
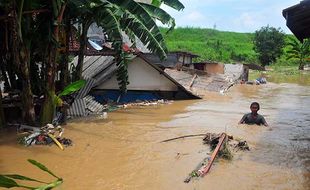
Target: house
{"points": [[298, 19], [186, 58], [175, 59], [209, 66], [146, 81]]}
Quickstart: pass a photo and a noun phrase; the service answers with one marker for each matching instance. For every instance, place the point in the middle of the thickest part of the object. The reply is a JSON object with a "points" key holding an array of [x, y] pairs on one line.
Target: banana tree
{"points": [[299, 51], [128, 16], [48, 109], [21, 55]]}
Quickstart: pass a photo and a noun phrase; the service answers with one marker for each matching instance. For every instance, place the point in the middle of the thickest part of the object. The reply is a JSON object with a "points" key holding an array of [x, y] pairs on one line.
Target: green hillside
{"points": [[210, 44]]}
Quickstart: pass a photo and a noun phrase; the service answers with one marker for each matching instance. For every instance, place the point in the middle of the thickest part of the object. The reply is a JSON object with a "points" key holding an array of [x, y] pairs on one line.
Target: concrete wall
{"points": [[142, 76], [213, 68], [234, 71]]}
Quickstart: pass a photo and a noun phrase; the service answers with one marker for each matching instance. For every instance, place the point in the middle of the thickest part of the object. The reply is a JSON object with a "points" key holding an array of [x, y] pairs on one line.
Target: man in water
{"points": [[253, 117]]}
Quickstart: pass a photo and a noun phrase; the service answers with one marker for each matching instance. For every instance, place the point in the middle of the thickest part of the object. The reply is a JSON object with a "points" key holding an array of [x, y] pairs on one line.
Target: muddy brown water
{"points": [[124, 151]]}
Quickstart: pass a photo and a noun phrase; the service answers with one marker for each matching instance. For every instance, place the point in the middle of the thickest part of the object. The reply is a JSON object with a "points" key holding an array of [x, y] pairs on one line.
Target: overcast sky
{"points": [[232, 15]]}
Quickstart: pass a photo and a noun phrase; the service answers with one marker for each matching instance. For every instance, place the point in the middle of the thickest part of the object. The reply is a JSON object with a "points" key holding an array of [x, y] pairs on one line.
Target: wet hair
{"points": [[255, 103]]}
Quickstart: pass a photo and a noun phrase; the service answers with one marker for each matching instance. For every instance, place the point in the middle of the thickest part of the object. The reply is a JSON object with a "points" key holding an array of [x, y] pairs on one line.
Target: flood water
{"points": [[124, 151]]}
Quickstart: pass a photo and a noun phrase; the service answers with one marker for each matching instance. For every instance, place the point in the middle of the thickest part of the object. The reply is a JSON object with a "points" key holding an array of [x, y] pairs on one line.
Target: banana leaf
{"points": [[42, 167], [73, 87], [7, 182]]}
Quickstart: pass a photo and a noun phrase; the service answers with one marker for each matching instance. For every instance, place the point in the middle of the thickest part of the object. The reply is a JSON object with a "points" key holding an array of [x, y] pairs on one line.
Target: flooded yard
{"points": [[124, 151]]}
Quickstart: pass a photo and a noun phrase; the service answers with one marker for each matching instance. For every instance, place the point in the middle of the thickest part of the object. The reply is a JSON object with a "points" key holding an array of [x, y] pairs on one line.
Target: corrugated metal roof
{"points": [[201, 83], [83, 103], [170, 62], [95, 64], [93, 106], [78, 108], [85, 90]]}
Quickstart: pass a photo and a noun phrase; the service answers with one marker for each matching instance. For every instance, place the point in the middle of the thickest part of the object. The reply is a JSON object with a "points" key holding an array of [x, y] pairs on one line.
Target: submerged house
{"points": [[175, 59], [146, 81], [209, 66]]}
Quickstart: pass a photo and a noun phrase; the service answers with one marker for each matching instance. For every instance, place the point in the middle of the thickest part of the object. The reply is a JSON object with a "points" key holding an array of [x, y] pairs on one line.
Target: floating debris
{"points": [[45, 135], [146, 103], [221, 145]]}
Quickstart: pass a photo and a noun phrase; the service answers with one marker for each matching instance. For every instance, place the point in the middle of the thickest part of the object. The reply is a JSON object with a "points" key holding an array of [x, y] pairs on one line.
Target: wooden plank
{"points": [[205, 169], [192, 81]]}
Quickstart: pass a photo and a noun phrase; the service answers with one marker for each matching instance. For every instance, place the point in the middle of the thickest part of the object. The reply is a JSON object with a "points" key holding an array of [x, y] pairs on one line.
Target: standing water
{"points": [[125, 152]]}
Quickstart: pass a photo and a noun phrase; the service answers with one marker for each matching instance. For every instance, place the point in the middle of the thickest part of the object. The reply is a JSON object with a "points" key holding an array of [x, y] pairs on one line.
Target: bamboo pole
{"points": [[205, 169]]}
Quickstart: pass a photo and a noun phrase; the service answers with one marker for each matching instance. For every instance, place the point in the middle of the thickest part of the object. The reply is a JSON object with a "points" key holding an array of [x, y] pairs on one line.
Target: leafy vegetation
{"points": [[37, 32], [299, 51], [221, 46], [212, 44], [8, 180], [268, 43]]}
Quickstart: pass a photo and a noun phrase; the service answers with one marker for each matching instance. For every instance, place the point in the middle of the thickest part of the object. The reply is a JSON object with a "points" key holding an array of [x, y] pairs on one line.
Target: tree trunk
{"points": [[7, 85], [49, 107], [28, 113], [2, 118], [64, 73], [83, 41], [301, 66], [21, 58]]}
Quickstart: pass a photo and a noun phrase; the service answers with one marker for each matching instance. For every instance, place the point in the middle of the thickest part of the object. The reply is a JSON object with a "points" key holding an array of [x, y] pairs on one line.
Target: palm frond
{"points": [[105, 17], [147, 37], [174, 4], [141, 18], [160, 15]]}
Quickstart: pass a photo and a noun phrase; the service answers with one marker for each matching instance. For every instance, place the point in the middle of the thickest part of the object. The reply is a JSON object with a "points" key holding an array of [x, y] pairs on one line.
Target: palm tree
{"points": [[114, 17], [300, 51]]}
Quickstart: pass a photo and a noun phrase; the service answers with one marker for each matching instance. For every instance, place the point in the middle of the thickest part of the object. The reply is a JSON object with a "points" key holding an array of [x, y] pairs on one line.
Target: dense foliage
{"points": [[299, 51], [268, 43]]}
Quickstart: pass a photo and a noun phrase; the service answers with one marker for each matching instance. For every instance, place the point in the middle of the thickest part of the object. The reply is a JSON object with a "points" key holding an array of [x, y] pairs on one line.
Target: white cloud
{"points": [[247, 21], [194, 16], [232, 15]]}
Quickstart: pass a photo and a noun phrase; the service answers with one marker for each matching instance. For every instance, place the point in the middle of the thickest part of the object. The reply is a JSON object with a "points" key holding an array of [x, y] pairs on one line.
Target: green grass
{"points": [[283, 74], [210, 44]]}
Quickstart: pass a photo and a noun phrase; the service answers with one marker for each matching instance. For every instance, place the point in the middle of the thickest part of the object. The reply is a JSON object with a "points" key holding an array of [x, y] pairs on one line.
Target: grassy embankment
{"points": [[221, 46], [211, 44], [231, 47]]}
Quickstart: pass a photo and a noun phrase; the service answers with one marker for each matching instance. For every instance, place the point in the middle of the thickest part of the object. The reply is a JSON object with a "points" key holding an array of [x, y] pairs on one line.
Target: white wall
{"points": [[142, 76], [233, 70]]}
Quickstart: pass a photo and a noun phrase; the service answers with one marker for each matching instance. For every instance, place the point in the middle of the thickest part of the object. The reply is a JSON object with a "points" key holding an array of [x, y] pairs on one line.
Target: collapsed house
{"points": [[146, 82], [175, 59]]}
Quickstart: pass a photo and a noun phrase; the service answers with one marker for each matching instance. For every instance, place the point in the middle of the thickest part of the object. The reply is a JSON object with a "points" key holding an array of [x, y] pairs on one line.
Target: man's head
{"points": [[254, 107]]}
